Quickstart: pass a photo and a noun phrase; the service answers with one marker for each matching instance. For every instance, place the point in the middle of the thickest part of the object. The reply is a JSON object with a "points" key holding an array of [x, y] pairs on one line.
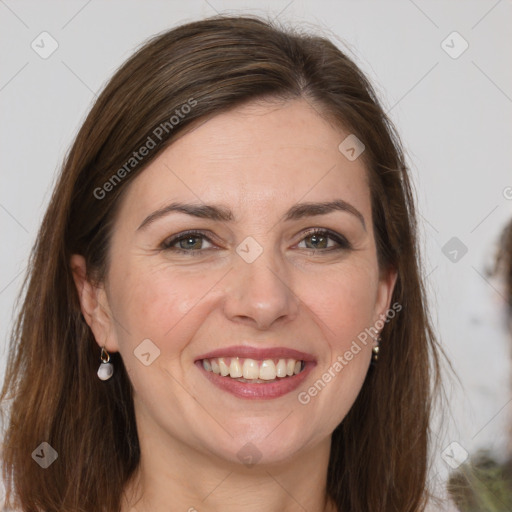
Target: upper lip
{"points": [[248, 352]]}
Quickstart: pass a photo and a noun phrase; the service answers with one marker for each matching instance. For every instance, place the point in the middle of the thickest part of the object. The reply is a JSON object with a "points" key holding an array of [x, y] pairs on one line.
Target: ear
{"points": [[94, 305], [386, 286]]}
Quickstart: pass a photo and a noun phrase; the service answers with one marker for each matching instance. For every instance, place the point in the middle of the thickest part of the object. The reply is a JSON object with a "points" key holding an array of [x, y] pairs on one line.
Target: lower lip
{"points": [[261, 391]]}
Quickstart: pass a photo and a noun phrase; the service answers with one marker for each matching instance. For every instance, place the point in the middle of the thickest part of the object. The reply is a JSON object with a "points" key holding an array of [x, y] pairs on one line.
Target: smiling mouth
{"points": [[253, 371]]}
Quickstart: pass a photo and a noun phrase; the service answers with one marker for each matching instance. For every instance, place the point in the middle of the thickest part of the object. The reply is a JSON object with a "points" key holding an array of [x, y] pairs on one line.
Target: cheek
{"points": [[161, 304], [344, 302], [168, 307]]}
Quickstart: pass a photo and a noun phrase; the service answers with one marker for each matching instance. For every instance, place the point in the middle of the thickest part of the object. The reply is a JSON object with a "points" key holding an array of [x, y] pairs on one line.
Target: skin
{"points": [[257, 160]]}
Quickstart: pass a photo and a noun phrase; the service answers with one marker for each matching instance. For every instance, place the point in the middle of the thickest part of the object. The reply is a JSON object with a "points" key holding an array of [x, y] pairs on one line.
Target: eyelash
{"points": [[343, 243]]}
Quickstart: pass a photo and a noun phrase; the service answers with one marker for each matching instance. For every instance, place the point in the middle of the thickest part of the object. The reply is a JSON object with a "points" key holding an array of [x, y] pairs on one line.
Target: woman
{"points": [[224, 308]]}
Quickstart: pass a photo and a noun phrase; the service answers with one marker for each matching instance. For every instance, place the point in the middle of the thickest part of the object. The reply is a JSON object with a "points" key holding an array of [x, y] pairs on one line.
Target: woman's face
{"points": [[251, 282]]}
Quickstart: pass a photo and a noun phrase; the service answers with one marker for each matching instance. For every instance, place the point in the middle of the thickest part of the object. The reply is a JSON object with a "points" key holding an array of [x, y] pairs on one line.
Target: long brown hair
{"points": [[378, 459]]}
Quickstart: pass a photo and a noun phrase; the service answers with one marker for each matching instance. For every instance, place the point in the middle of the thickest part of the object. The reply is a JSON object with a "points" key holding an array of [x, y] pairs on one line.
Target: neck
{"points": [[173, 474]]}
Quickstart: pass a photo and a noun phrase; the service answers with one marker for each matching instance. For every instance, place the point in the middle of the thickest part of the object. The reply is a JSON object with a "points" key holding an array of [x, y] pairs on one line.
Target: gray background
{"points": [[454, 116]]}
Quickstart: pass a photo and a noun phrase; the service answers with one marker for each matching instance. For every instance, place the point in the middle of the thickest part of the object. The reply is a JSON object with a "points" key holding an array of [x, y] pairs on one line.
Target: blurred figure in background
{"points": [[483, 484]]}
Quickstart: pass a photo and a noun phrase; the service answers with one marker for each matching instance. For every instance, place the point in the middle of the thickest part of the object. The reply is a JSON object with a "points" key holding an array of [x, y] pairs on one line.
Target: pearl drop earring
{"points": [[106, 369]]}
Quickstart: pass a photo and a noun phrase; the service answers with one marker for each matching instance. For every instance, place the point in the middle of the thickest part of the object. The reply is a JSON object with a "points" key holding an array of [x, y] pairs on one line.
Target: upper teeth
{"points": [[267, 369]]}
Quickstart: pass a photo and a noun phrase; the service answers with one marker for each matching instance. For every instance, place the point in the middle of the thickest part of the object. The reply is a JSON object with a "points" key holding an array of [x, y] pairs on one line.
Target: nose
{"points": [[260, 294]]}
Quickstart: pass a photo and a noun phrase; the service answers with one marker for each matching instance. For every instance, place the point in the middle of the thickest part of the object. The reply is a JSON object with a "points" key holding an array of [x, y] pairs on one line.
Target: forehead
{"points": [[257, 155]]}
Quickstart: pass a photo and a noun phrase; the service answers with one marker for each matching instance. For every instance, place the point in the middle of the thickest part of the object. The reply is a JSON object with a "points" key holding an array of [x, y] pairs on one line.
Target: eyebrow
{"points": [[224, 214]]}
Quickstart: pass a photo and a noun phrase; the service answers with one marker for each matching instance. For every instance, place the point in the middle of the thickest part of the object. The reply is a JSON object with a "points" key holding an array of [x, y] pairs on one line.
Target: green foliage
{"points": [[482, 485]]}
